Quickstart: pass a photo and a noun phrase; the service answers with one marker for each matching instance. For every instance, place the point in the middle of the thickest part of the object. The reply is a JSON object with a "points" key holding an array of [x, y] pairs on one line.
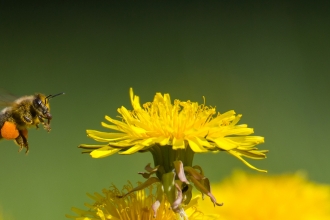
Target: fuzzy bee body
{"points": [[23, 113]]}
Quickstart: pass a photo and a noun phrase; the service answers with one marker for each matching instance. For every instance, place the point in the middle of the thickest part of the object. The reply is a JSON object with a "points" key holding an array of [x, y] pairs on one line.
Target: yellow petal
{"points": [[103, 152], [106, 135], [196, 146], [224, 144], [133, 149], [178, 143], [135, 100], [162, 140], [244, 161]]}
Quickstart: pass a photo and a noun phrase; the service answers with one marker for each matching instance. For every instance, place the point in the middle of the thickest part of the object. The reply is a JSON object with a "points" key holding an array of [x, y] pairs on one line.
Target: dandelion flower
{"points": [[138, 205], [252, 197], [173, 133], [182, 125]]}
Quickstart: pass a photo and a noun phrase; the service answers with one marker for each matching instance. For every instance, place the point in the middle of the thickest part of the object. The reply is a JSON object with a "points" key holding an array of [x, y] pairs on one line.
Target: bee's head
{"points": [[41, 104]]}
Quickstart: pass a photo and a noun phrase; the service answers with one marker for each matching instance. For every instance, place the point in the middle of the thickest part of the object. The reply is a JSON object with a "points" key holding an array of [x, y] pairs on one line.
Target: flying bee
{"points": [[23, 113]]}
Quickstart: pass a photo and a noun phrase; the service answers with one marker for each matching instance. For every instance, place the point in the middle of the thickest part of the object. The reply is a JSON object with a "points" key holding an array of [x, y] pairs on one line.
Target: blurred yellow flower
{"points": [[264, 197], [181, 125], [137, 205]]}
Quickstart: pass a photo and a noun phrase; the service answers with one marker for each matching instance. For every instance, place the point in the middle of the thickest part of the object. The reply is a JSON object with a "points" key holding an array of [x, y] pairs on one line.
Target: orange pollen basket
{"points": [[9, 131]]}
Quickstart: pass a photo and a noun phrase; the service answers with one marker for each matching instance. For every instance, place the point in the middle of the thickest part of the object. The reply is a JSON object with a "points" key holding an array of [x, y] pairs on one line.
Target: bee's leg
{"points": [[41, 119], [21, 141], [45, 124], [47, 127]]}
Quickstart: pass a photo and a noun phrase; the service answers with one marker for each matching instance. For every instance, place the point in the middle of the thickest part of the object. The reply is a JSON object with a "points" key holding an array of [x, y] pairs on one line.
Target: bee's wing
{"points": [[6, 98]]}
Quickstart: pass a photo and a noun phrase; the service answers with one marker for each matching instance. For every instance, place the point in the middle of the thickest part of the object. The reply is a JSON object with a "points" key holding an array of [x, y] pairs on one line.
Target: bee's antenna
{"points": [[52, 96]]}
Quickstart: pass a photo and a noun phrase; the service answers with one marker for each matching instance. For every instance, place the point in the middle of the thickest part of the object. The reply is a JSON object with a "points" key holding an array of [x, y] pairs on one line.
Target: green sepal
{"points": [[194, 173], [206, 190], [178, 165]]}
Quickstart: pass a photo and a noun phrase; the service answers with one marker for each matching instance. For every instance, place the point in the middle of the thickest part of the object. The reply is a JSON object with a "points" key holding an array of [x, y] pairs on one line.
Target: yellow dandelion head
{"points": [[138, 205], [252, 197], [181, 125]]}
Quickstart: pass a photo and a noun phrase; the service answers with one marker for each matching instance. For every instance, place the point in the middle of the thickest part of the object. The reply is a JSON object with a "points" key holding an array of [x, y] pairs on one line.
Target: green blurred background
{"points": [[269, 62]]}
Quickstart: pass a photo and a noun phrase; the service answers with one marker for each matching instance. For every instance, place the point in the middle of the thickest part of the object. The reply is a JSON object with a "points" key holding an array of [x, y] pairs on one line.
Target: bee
{"points": [[23, 113]]}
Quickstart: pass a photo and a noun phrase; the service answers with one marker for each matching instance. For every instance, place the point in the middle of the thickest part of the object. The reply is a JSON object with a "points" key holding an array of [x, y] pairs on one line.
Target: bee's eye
{"points": [[37, 103]]}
